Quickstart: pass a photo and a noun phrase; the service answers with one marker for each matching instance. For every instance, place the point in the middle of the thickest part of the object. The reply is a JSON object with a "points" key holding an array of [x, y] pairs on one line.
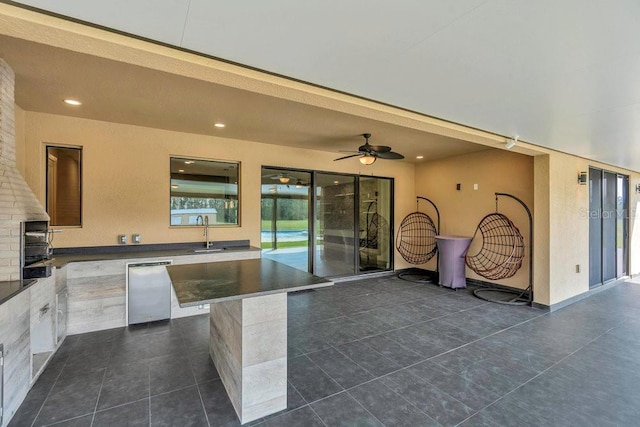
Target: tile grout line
{"points": [[384, 385], [149, 391], [95, 407], [416, 363], [365, 409], [193, 374], [52, 387], [542, 372]]}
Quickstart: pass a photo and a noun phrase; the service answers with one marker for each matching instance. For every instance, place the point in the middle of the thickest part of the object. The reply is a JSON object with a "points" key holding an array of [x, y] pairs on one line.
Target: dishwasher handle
{"points": [[149, 264]]}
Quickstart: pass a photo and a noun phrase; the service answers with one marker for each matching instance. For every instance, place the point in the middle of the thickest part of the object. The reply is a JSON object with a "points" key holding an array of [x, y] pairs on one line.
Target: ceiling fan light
{"points": [[284, 179], [367, 160]]}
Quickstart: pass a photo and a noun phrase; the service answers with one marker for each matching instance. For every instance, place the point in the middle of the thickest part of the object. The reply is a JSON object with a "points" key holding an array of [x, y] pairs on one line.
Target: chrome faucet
{"points": [[206, 231]]}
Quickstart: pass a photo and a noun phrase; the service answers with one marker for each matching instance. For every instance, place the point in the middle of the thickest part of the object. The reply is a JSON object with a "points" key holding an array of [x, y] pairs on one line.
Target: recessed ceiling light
{"points": [[174, 186], [180, 170], [219, 125], [419, 157], [189, 162], [336, 182], [74, 102]]}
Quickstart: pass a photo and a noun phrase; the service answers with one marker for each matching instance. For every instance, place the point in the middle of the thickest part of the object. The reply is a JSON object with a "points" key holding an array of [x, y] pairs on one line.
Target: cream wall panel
{"points": [[461, 211], [126, 177], [568, 228], [541, 220]]}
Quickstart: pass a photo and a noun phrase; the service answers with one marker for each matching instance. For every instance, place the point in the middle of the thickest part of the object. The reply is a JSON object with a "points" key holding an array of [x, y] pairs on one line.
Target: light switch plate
{"points": [[136, 239], [122, 239]]}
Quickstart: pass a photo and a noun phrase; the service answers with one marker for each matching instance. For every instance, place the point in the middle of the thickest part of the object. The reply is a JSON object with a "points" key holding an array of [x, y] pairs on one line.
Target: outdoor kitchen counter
{"points": [[248, 325], [10, 289], [214, 282], [60, 260]]}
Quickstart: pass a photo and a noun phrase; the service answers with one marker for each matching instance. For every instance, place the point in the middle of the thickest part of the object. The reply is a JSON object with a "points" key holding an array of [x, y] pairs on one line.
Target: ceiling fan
{"points": [[283, 177], [288, 179], [370, 153]]}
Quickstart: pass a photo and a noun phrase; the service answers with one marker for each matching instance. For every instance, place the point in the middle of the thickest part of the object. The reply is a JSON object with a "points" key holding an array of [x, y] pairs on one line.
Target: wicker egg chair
{"points": [[416, 240], [502, 250]]}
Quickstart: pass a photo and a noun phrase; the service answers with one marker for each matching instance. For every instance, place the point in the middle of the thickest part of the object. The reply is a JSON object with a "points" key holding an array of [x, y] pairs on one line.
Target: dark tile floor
{"points": [[369, 353]]}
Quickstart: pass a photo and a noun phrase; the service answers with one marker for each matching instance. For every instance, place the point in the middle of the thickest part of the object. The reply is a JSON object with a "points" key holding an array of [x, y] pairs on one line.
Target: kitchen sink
{"points": [[208, 250]]}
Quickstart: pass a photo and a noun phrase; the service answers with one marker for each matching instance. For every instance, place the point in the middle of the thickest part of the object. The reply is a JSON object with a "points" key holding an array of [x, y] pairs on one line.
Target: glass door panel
{"points": [[335, 235], [609, 224], [284, 231], [622, 232], [595, 227], [374, 223]]}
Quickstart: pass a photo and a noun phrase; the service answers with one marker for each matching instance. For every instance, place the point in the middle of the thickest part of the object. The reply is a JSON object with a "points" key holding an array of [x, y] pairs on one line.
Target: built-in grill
{"points": [[35, 249]]}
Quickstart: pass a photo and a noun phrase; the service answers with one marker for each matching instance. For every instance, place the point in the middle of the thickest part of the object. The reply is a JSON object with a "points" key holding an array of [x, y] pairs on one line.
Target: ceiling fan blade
{"points": [[391, 155], [346, 157], [349, 151], [380, 148]]}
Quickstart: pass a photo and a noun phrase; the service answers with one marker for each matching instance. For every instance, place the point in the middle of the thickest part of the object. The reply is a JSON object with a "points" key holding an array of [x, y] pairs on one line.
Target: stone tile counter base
{"points": [[248, 326], [249, 347]]}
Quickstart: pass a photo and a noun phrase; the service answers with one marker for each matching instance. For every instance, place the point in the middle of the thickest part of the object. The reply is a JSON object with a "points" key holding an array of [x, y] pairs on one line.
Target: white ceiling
{"points": [[561, 74]]}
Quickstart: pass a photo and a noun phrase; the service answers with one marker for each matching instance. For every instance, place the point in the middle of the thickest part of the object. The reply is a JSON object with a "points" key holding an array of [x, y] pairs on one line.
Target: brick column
{"points": [[17, 201]]}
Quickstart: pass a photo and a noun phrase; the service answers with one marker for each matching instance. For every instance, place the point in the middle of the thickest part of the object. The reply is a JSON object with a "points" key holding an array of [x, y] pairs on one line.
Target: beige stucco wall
{"points": [[569, 225], [568, 228], [126, 177], [461, 211], [547, 183], [541, 218], [126, 191]]}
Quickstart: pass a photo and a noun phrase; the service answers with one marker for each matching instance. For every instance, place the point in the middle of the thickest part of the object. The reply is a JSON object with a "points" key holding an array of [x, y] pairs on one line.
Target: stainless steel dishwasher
{"points": [[149, 292]]}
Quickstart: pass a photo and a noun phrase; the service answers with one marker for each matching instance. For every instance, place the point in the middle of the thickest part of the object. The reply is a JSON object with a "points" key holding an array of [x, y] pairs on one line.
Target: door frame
{"points": [[312, 213], [625, 236]]}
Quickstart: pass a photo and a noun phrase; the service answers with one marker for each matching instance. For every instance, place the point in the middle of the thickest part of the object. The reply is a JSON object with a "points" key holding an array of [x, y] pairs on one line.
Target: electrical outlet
{"points": [[136, 239], [577, 268], [475, 186], [122, 239], [458, 187]]}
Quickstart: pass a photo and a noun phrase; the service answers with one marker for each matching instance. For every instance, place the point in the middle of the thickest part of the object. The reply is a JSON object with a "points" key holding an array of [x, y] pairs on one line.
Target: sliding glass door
{"points": [[608, 226], [609, 220], [335, 234], [326, 223], [375, 216], [285, 216], [595, 227]]}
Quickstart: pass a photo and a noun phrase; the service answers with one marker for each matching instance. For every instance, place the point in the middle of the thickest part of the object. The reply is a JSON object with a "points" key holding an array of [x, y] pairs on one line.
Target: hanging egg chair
{"points": [[502, 250], [500, 256], [416, 240], [416, 243]]}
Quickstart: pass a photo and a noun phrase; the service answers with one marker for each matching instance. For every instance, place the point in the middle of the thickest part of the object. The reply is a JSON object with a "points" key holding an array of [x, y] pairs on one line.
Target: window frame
{"points": [[80, 150], [238, 166]]}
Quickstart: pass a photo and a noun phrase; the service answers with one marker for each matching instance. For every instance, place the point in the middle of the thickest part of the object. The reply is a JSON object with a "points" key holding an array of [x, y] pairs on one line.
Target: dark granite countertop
{"points": [[109, 253], [211, 282], [12, 288]]}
